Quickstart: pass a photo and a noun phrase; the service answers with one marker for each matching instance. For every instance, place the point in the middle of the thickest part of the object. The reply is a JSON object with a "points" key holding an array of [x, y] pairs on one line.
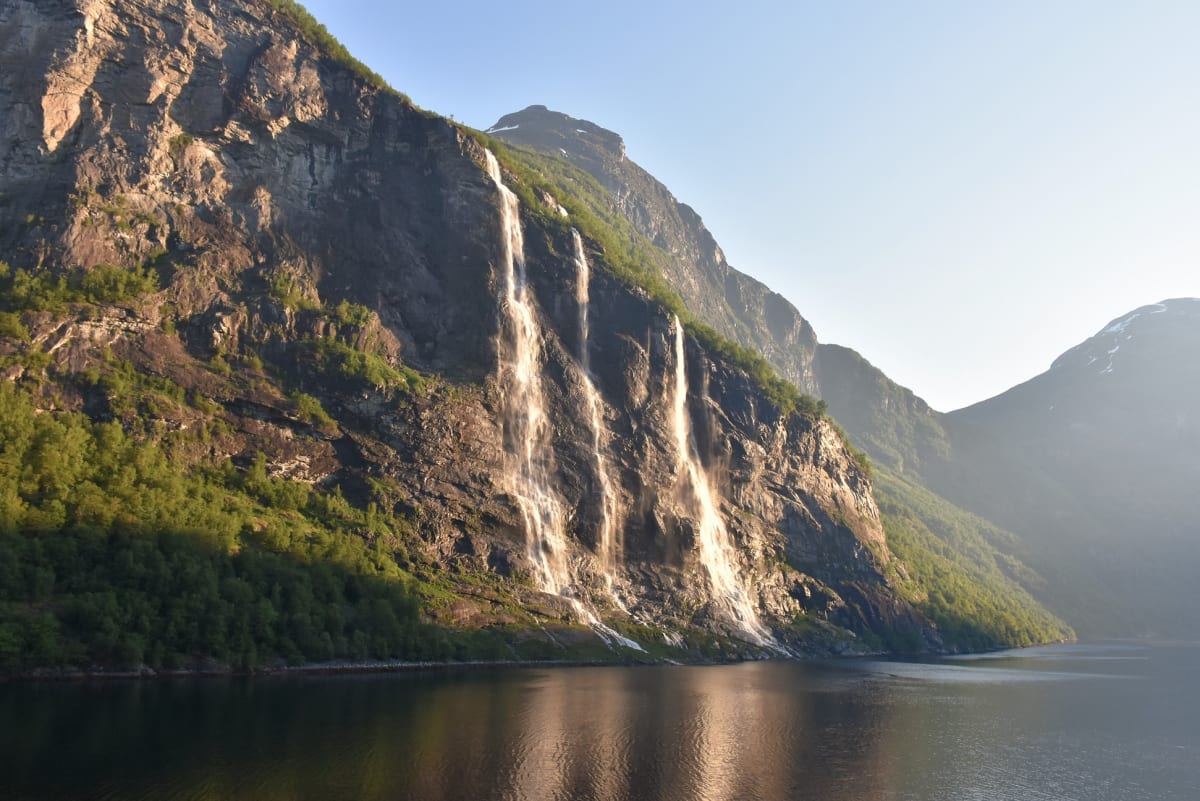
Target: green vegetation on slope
{"points": [[113, 553], [956, 574], [45, 291], [340, 360]]}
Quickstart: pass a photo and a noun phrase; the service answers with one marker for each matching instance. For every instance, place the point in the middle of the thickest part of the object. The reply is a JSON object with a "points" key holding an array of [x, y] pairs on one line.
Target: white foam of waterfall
{"points": [[608, 543], [528, 432], [716, 550], [527, 425]]}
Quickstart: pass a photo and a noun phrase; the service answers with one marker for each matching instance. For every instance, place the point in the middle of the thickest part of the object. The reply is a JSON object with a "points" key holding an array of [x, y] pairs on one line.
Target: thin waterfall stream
{"points": [[728, 588], [528, 432], [608, 543]]}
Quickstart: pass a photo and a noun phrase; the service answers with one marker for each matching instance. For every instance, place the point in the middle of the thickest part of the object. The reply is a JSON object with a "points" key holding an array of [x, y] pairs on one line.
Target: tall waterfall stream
{"points": [[528, 435]]}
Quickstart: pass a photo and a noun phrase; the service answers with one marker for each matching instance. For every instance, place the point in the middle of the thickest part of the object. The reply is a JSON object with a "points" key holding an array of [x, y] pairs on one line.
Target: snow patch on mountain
{"points": [[1120, 325]]}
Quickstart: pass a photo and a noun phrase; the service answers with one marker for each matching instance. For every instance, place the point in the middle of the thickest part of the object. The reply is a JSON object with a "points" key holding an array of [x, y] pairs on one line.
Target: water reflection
{"points": [[1007, 727]]}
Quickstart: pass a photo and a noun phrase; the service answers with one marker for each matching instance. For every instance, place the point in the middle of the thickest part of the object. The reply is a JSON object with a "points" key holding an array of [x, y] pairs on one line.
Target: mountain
{"points": [[1073, 488], [890, 422], [942, 544], [1094, 464], [295, 370]]}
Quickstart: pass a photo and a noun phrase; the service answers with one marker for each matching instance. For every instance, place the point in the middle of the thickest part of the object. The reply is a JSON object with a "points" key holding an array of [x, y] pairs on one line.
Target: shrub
{"points": [[46, 291], [311, 410], [11, 327], [290, 292], [371, 368], [351, 315]]}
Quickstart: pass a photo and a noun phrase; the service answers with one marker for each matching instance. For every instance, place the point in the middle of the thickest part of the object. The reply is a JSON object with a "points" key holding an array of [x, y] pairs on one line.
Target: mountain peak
{"points": [[1178, 307], [540, 127], [1162, 323]]}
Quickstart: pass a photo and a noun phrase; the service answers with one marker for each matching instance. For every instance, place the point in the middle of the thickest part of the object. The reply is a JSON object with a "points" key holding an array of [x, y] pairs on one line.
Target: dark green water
{"points": [[1081, 723]]}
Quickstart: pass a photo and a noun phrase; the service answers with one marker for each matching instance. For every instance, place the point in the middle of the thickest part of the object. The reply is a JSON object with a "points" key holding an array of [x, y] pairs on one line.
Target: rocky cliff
{"points": [[903, 436], [341, 288]]}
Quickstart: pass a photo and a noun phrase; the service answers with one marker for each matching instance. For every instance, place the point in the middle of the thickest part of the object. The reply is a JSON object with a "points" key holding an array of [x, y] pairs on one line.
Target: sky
{"points": [[959, 191]]}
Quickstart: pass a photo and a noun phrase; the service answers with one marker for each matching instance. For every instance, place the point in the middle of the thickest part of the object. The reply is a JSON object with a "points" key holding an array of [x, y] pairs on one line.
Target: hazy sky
{"points": [[960, 191]]}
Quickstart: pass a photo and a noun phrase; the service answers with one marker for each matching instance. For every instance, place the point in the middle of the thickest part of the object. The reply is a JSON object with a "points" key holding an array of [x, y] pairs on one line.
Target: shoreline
{"points": [[69, 675]]}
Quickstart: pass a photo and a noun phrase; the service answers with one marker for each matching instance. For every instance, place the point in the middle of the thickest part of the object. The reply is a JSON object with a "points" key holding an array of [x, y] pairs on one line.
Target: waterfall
{"points": [[716, 551], [527, 426], [608, 548]]}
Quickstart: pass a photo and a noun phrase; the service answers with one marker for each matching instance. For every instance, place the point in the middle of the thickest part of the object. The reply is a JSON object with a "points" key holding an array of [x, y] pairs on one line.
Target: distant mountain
{"points": [[1095, 463]]}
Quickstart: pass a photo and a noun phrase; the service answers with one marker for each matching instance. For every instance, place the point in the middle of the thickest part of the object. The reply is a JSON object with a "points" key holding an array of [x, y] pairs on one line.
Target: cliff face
{"points": [[319, 239], [213, 133]]}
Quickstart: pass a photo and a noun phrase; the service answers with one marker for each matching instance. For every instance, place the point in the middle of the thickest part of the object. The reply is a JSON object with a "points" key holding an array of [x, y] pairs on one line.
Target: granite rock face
{"points": [[269, 185]]}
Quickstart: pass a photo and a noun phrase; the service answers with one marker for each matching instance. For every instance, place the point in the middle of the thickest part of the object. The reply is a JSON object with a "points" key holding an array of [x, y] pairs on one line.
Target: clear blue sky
{"points": [[960, 191]]}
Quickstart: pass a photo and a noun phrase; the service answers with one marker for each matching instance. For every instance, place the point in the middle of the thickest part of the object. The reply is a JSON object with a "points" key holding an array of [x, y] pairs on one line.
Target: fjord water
{"points": [[1077, 723]]}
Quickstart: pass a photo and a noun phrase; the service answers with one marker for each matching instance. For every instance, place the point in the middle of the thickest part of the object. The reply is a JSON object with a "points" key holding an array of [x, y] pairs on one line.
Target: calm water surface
{"points": [[1085, 723]]}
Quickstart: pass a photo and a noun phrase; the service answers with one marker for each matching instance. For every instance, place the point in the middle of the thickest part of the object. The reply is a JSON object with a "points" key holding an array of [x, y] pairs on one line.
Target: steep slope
{"points": [[966, 574], [896, 429], [736, 305], [238, 247], [893, 425], [1095, 463]]}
